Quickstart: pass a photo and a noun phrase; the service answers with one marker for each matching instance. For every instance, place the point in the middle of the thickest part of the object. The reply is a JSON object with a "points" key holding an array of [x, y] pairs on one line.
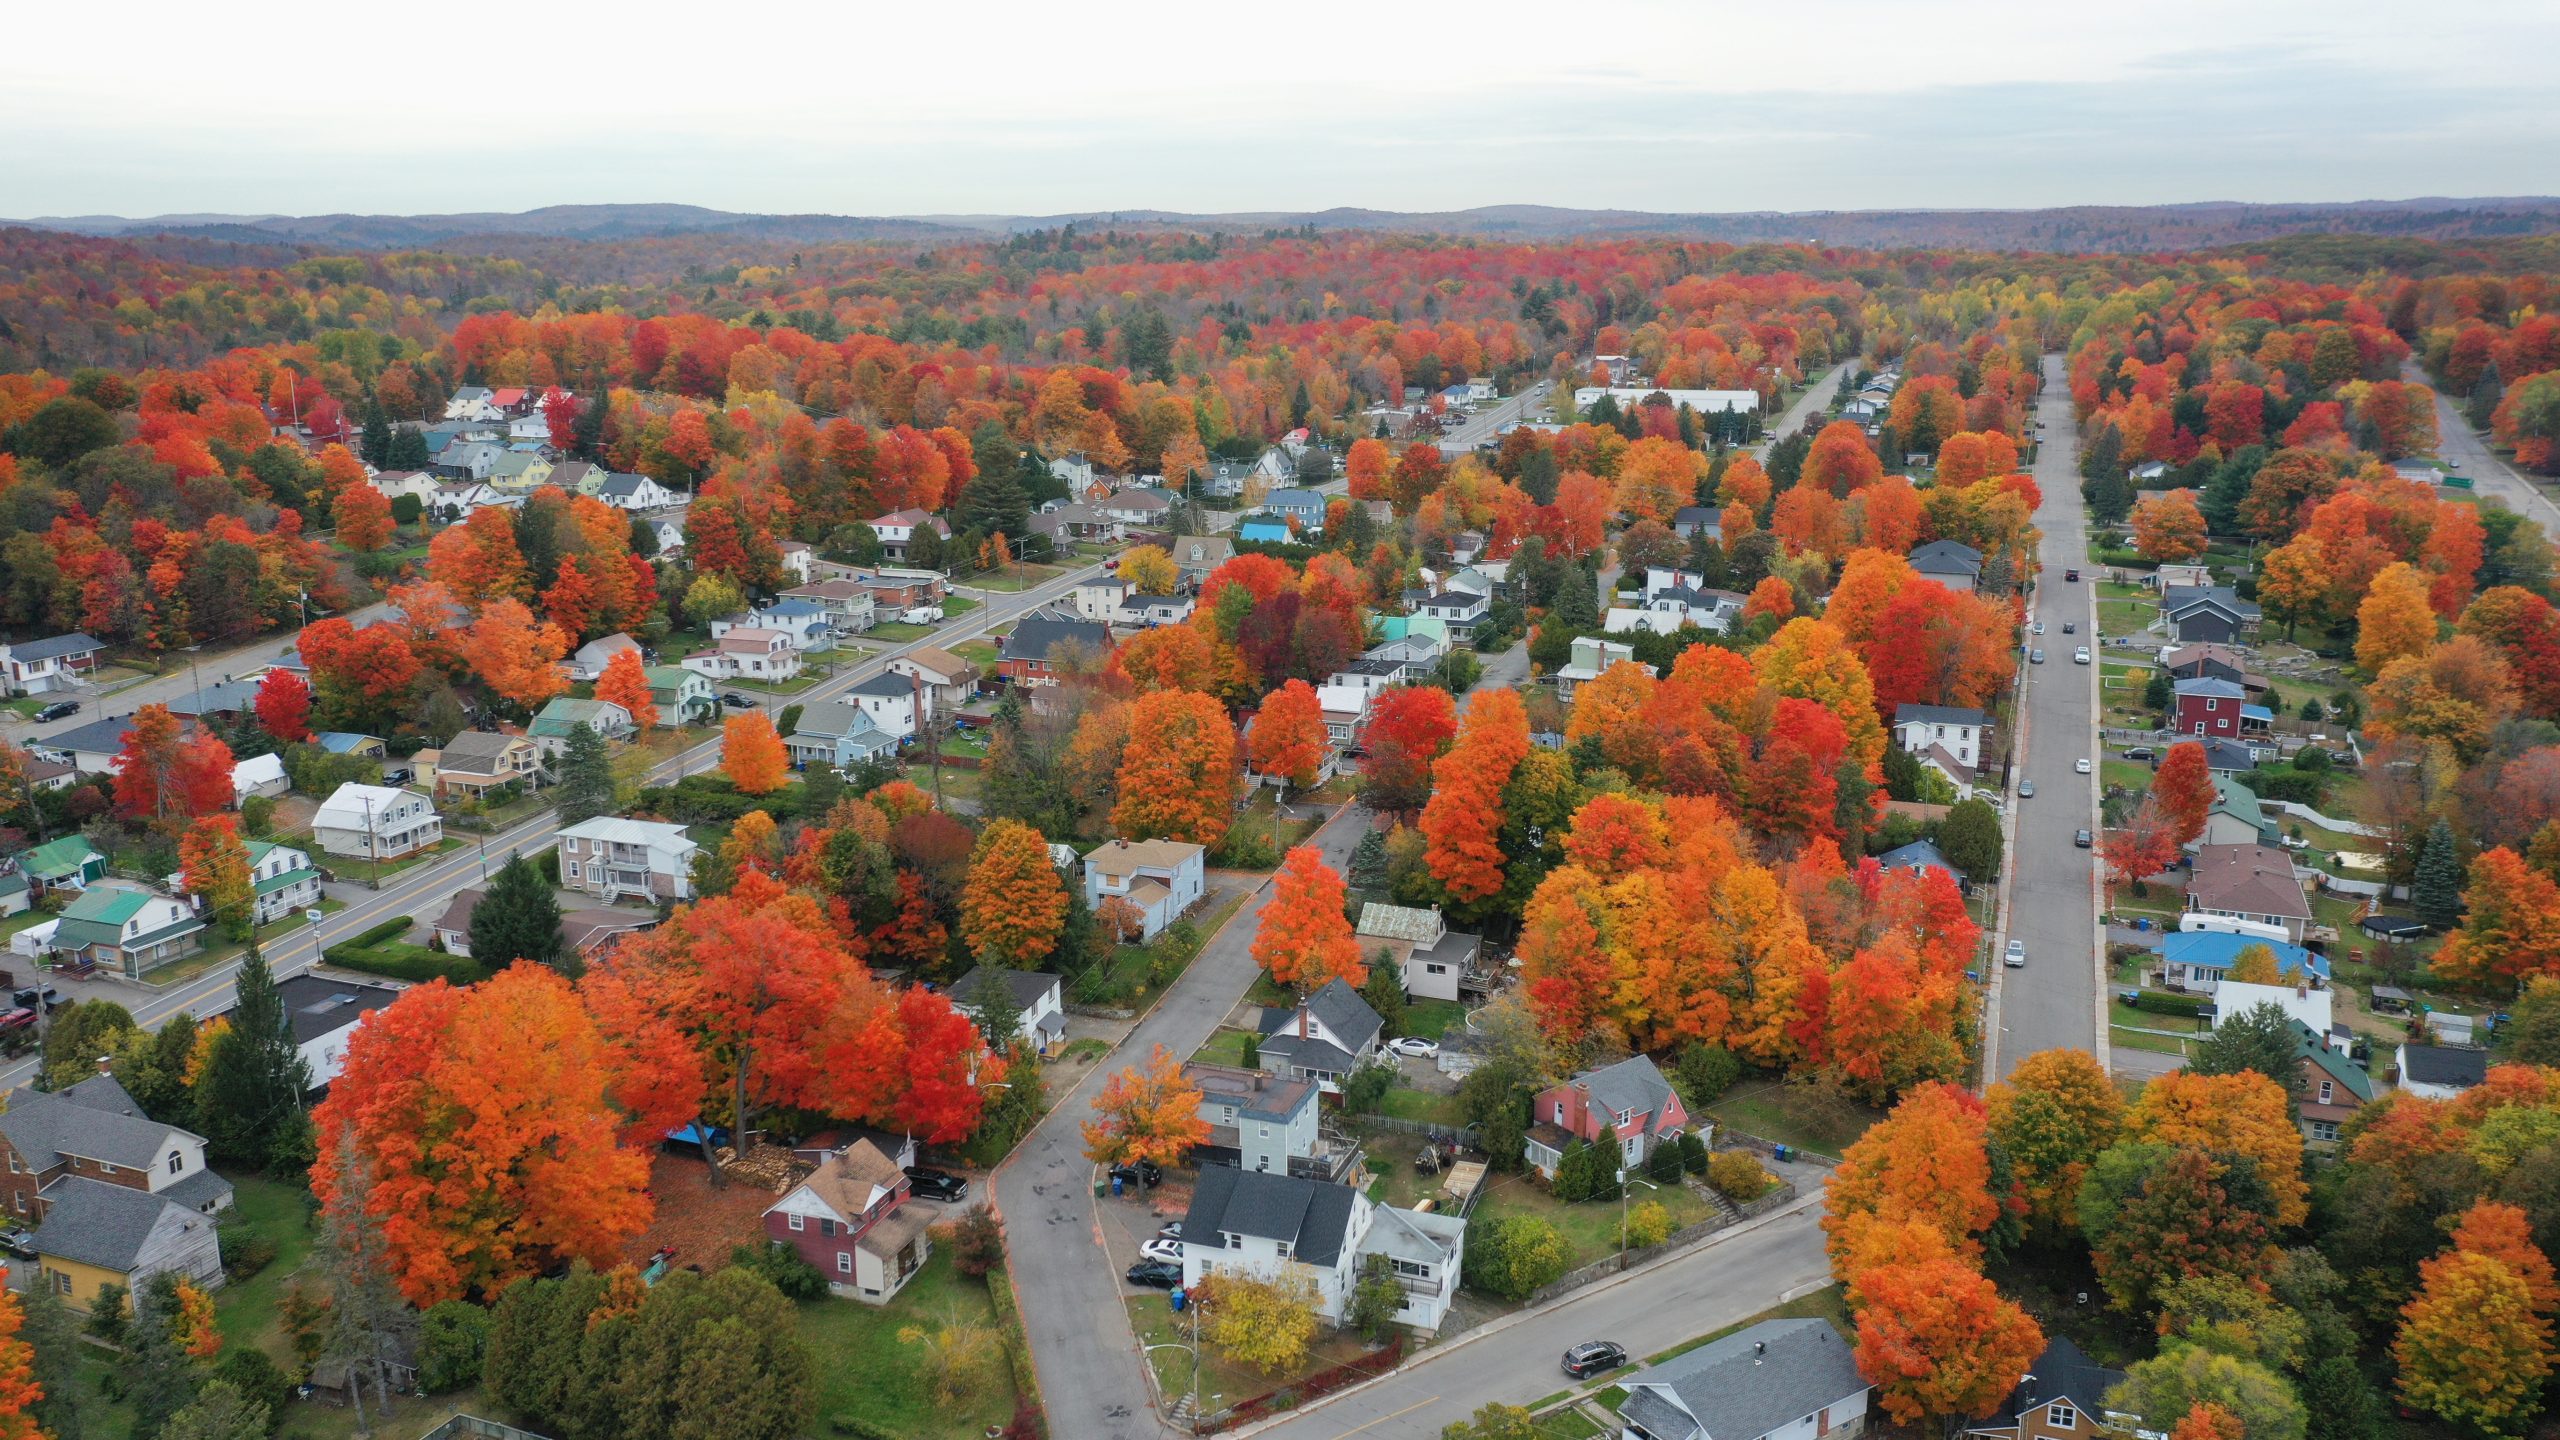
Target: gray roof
{"points": [[2443, 1065], [887, 687], [53, 647], [486, 745], [833, 720], [94, 1119], [2210, 685], [99, 736], [1036, 635], [1938, 715], [1946, 557], [618, 485], [1918, 855], [99, 1224], [1310, 1054], [1314, 1217], [1745, 1385], [2224, 754], [203, 1191], [2178, 599], [1255, 1095], [1634, 1084], [1341, 1010], [2063, 1372], [1028, 986], [318, 1007]]}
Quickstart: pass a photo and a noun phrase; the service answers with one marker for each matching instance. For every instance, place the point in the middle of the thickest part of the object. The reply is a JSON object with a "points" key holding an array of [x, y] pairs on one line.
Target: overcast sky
{"points": [[1029, 108]]}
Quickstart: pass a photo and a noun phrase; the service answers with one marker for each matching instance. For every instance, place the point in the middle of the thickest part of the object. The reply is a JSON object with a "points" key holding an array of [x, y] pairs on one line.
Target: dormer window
{"points": [[2062, 1417], [177, 1162]]}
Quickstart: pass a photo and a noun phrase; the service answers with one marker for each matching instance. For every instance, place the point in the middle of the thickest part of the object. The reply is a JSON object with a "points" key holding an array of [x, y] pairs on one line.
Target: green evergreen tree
{"points": [[994, 503], [219, 1412], [2436, 890], [1384, 990], [2482, 405], [376, 445], [53, 1333], [2105, 455], [2228, 487], [519, 919], [586, 776], [2260, 1038], [408, 449], [159, 1380], [586, 435], [1577, 600], [1969, 837], [536, 1335], [249, 1097]]}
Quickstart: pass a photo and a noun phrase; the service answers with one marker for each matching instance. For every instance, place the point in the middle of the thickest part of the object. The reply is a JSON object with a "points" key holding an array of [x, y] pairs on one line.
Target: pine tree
{"points": [[2105, 455], [2486, 392], [376, 445], [249, 1098], [994, 503], [369, 1322], [408, 449], [159, 1380], [53, 1333], [519, 919], [586, 776], [2436, 891]]}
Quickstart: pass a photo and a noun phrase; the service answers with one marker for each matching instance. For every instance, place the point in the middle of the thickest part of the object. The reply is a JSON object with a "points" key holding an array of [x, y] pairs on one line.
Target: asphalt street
{"points": [[1485, 426], [1816, 396], [2492, 476], [1091, 1384], [2052, 906], [1731, 1277]]}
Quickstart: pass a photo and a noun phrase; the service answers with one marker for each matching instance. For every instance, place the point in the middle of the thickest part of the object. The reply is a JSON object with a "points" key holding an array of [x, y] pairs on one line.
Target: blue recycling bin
{"points": [[1782, 1152], [1181, 1298], [1115, 1187]]}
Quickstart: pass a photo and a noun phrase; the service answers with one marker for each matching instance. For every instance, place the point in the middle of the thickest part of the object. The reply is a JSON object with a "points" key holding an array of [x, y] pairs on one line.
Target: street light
{"points": [[1624, 1180]]}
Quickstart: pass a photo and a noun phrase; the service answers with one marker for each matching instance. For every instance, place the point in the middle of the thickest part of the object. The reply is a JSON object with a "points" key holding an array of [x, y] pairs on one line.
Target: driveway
{"points": [[1070, 1288], [2051, 901]]}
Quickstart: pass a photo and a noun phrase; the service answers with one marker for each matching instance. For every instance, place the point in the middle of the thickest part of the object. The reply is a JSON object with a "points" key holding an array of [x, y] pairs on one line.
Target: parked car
{"points": [[18, 1242], [736, 701], [921, 615], [1171, 1231], [1145, 1173], [2035, 657], [2070, 574], [2026, 789], [2084, 840], [932, 1184], [1154, 1275], [1593, 1356], [2070, 627], [57, 710], [2080, 656], [26, 999], [2039, 627], [397, 775], [1166, 1251], [1414, 1047], [2138, 752], [2015, 957], [2081, 765], [16, 1020]]}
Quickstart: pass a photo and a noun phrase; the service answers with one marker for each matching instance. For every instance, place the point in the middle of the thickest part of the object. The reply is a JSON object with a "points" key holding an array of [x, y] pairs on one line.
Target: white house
{"points": [[282, 878], [1075, 470], [1461, 610], [890, 701], [395, 483], [2298, 1002], [1040, 1017], [1431, 957], [1346, 715], [1162, 878], [258, 775], [1591, 656], [324, 1013], [1323, 1038], [1268, 1225], [948, 679], [2440, 1072], [748, 652], [635, 492], [1666, 610], [35, 667], [376, 821], [897, 530], [587, 662], [807, 622], [1705, 402], [1777, 1380], [1954, 728], [610, 857]]}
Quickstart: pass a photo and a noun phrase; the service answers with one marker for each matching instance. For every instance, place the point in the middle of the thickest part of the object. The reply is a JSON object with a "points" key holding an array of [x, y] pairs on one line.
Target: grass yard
{"points": [[1222, 1382], [1423, 1107], [2119, 590], [2119, 1013], [1803, 1115], [2133, 776], [978, 652], [2125, 617], [247, 1311], [2157, 1044], [1591, 1227], [957, 605], [865, 1370], [898, 632], [1224, 1048], [1432, 1019]]}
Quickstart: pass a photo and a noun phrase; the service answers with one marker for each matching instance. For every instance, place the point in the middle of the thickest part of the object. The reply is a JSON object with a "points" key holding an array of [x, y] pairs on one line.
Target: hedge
{"points": [[414, 963], [387, 930], [2160, 1004]]}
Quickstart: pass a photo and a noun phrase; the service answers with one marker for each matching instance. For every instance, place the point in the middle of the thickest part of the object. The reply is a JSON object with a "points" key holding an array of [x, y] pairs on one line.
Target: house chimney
{"points": [[106, 1064], [1302, 1020]]}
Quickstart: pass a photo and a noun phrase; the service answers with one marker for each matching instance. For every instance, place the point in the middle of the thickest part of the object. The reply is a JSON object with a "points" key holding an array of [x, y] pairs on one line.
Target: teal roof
{"points": [[674, 677], [566, 713], [56, 858], [2314, 1048], [106, 905]]}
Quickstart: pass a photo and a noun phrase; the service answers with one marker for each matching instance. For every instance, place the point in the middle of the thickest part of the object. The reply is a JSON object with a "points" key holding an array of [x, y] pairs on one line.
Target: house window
{"points": [[826, 1227], [105, 1169], [61, 1282], [799, 1222], [177, 1163], [2326, 1089], [573, 870], [2062, 1417], [2325, 1131], [844, 1262]]}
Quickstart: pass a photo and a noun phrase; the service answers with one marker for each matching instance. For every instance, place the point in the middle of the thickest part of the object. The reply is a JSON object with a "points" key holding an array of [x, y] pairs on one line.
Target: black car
{"points": [[736, 701], [1145, 1172], [931, 1184], [2138, 752], [2068, 628], [1592, 1357], [57, 710], [26, 999], [1155, 1274]]}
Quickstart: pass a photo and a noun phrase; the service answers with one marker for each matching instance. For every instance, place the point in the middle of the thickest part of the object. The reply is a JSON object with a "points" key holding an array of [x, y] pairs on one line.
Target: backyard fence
{"points": [[1462, 1134]]}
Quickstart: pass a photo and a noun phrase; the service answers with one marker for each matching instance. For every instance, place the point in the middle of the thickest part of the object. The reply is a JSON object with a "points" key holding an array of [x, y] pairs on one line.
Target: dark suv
{"points": [[1145, 1173], [933, 1184], [1154, 1275], [1591, 1357]]}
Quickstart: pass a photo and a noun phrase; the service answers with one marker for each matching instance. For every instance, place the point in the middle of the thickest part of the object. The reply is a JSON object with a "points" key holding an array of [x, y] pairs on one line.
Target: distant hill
{"points": [[2072, 228]]}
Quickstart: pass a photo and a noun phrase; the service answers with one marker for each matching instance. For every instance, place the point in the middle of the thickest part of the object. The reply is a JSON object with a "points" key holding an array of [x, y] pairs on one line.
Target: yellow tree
{"points": [[2293, 581], [1150, 1115], [215, 866], [1013, 903], [2169, 529], [2395, 619], [1259, 1322], [1811, 660], [1148, 569], [751, 754], [2471, 1349], [2051, 1117], [2246, 1114]]}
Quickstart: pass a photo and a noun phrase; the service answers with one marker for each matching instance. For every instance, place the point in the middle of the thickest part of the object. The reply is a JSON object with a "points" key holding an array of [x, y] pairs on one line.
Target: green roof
{"points": [[564, 714], [2315, 1048], [672, 677], [65, 856], [106, 905]]}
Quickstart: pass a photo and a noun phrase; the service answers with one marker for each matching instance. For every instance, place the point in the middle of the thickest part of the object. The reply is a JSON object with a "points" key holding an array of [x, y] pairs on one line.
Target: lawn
{"points": [[1222, 1382], [957, 605], [1224, 1048], [2133, 776], [1423, 1107], [898, 631], [2118, 590], [247, 1311], [2119, 1013], [1432, 1019], [2136, 1040], [1807, 1116], [1591, 1227], [864, 1369], [2125, 617], [978, 652]]}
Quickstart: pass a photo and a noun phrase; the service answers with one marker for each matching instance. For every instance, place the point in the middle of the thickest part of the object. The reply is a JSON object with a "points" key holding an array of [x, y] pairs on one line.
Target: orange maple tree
{"points": [[1168, 657], [364, 518], [2168, 528], [625, 682], [1409, 727], [751, 754], [516, 655], [1150, 1115], [1287, 737], [478, 560], [167, 776], [1928, 1161], [19, 1389], [2184, 790], [1177, 778], [1937, 1339], [1013, 904], [1304, 938], [1462, 825]]}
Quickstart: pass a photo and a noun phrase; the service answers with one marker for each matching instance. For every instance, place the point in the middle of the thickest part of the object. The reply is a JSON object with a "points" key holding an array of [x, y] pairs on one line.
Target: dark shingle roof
{"points": [[53, 647], [1634, 1085], [95, 1223], [1946, 557], [887, 687], [94, 1119], [1341, 1010], [318, 1007], [1037, 635], [1028, 986], [1938, 715], [1745, 1385], [2443, 1065], [1314, 1217], [2063, 1372]]}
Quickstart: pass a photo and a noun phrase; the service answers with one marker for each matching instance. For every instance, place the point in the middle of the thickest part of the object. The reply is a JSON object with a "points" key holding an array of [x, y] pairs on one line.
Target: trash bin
{"points": [[1181, 1297], [1782, 1152], [1115, 1187]]}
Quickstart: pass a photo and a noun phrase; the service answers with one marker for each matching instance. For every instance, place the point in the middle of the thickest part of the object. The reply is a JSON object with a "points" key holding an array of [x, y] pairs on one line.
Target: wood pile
{"points": [[768, 1166]]}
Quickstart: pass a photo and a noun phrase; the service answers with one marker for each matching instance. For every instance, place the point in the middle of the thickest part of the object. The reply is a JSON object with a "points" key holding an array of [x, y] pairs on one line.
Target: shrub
{"points": [[1663, 1164], [1365, 1089], [414, 963], [2163, 1004], [453, 1343], [1512, 1257], [845, 1422], [245, 1251], [796, 1278], [1738, 1177], [1248, 844], [1704, 1072], [258, 814], [260, 1380], [1648, 1225], [1693, 1154], [977, 1241]]}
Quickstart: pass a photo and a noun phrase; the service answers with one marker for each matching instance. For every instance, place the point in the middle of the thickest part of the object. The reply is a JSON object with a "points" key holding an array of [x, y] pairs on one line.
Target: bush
{"points": [[1738, 1178], [1693, 1154], [1512, 1257], [977, 1241], [2162, 1004], [1704, 1072], [1648, 1225], [1365, 1089], [1663, 1164], [1248, 844], [453, 1344], [258, 814], [796, 1278], [845, 1422], [414, 963], [260, 1380], [245, 1251], [387, 930]]}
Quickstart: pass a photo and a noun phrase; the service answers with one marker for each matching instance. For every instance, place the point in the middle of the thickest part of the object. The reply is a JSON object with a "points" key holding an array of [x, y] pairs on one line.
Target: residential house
{"points": [[634, 492], [476, 762], [682, 696], [2306, 1004], [113, 1196], [38, 667], [1304, 509], [2249, 882], [2210, 613], [1040, 1015], [613, 858], [2236, 818], [1370, 674], [1031, 651], [1705, 402], [37, 773], [1138, 505], [1954, 565], [225, 700], [2206, 707], [2439, 1072], [535, 427], [948, 680], [348, 742], [1590, 656], [456, 500], [796, 558], [324, 1012], [563, 714], [257, 775], [2149, 475], [2329, 1087], [897, 530], [1461, 610], [2200, 959], [92, 749], [587, 662], [2062, 1397], [395, 483], [890, 701], [2174, 574], [1098, 597], [1142, 611], [1264, 532], [668, 531], [2206, 661], [1075, 470], [1631, 1098], [806, 622], [1227, 479], [1667, 610], [1323, 1038], [1956, 729], [591, 934], [855, 1220], [850, 606], [127, 929], [1160, 878], [1916, 856], [521, 472], [578, 477], [453, 928], [282, 880], [1690, 521], [474, 460], [1066, 522], [1431, 957], [1777, 1380], [70, 862], [2229, 757], [472, 402], [894, 589], [836, 732], [376, 822], [1267, 1225], [1257, 1121], [747, 653], [1346, 716]]}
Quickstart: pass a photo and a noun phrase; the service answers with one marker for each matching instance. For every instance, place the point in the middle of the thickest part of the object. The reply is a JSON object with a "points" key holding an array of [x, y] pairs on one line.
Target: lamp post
{"points": [[1624, 1180]]}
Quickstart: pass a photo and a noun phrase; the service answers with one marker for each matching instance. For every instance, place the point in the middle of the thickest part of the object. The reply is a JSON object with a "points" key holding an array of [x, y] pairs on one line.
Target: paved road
{"points": [[2465, 448], [2053, 1001], [1091, 1385], [1485, 425], [1730, 1278], [1816, 396]]}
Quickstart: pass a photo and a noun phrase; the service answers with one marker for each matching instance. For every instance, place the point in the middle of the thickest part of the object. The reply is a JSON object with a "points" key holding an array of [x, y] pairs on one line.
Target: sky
{"points": [[1005, 107]]}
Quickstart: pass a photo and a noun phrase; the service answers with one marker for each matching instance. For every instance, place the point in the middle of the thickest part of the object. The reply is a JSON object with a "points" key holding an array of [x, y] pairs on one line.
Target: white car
{"points": [[1414, 1047], [1168, 1251], [2081, 764], [2015, 957], [2080, 656], [2039, 627]]}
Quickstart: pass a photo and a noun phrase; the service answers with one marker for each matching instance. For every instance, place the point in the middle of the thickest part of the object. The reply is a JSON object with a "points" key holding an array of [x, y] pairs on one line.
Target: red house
{"points": [[854, 1219], [1631, 1095], [1028, 657], [2210, 707]]}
